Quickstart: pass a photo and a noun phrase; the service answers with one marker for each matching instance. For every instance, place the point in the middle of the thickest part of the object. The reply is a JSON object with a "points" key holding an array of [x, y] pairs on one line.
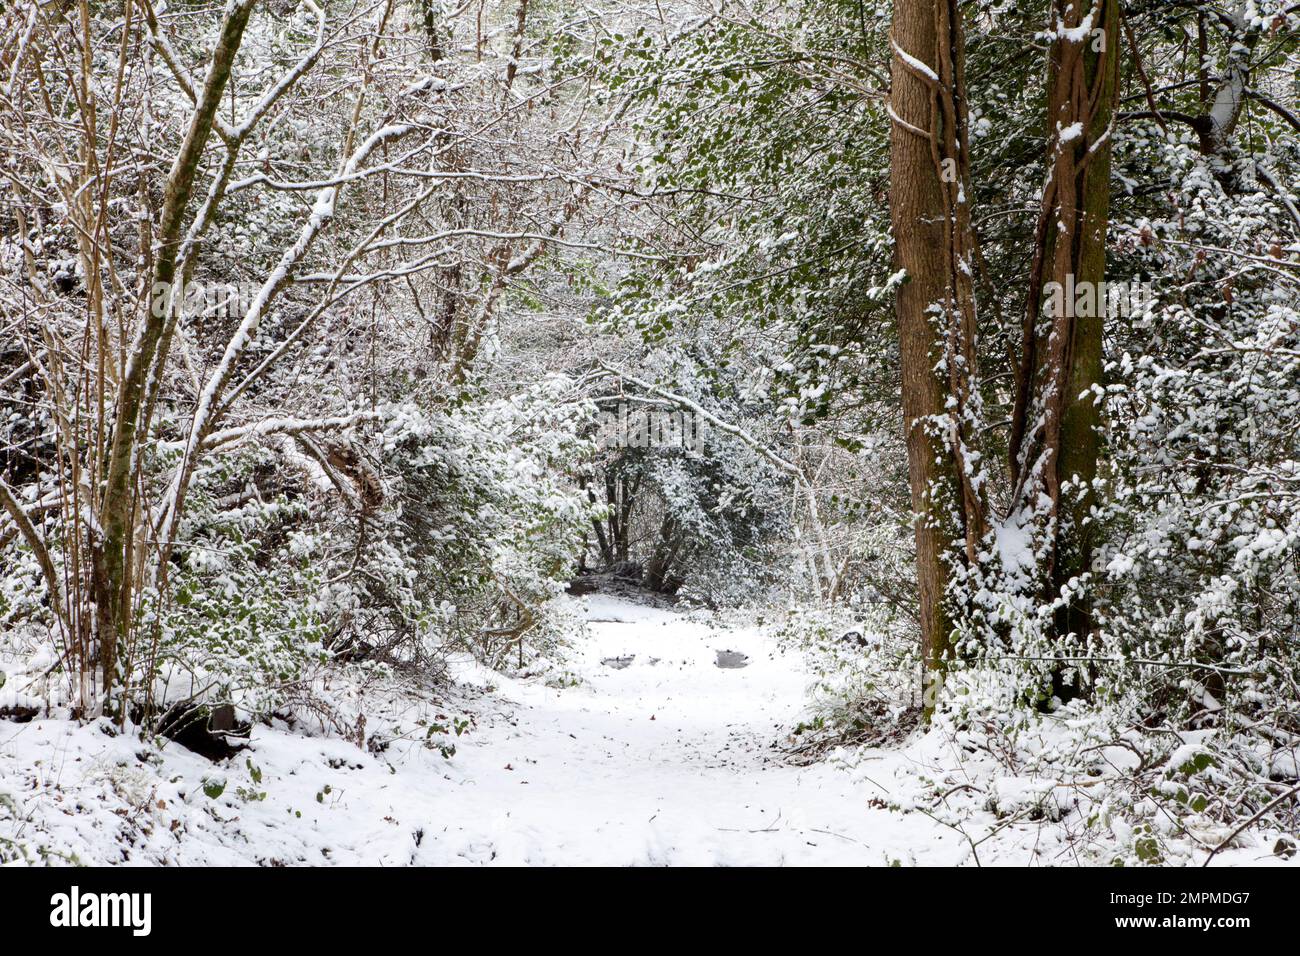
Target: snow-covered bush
{"points": [[487, 511], [1201, 573], [865, 664], [468, 535], [1191, 718], [244, 616]]}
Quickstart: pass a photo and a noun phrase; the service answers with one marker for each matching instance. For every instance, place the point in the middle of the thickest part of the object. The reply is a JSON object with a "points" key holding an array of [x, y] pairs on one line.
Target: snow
{"points": [[669, 760], [1075, 34], [645, 753], [1071, 132], [915, 64], [1032, 794], [1014, 547]]}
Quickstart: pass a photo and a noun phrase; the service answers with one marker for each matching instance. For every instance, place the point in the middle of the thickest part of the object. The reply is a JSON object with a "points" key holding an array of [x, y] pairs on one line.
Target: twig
{"points": [[1237, 832]]}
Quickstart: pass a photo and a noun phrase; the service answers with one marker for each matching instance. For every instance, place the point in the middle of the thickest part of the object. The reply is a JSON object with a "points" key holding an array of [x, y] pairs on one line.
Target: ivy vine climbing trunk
{"points": [[1055, 439], [935, 308]]}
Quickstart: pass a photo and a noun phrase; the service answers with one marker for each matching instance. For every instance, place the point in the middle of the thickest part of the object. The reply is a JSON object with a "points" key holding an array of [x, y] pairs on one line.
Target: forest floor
{"points": [[638, 750]]}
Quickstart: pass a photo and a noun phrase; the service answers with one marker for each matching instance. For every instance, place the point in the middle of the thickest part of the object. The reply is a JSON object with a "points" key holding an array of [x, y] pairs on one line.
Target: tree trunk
{"points": [[935, 308], [119, 510], [658, 568], [1055, 426]]}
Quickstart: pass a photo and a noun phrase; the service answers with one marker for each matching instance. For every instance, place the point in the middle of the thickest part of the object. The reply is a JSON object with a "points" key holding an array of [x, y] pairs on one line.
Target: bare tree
{"points": [[142, 381]]}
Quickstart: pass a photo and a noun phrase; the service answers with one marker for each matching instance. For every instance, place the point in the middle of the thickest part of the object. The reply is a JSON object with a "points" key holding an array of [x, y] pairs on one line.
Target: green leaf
{"points": [[1147, 849]]}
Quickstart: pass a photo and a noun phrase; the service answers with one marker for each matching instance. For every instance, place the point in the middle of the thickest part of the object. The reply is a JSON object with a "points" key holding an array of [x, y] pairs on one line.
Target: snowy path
{"points": [[668, 760]]}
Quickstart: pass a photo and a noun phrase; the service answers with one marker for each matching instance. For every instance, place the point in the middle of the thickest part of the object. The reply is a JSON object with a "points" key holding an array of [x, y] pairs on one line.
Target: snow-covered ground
{"points": [[669, 759], [647, 753]]}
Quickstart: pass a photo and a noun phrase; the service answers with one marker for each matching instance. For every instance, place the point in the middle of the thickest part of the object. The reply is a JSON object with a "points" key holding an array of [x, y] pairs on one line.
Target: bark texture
{"points": [[1055, 427], [935, 307]]}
